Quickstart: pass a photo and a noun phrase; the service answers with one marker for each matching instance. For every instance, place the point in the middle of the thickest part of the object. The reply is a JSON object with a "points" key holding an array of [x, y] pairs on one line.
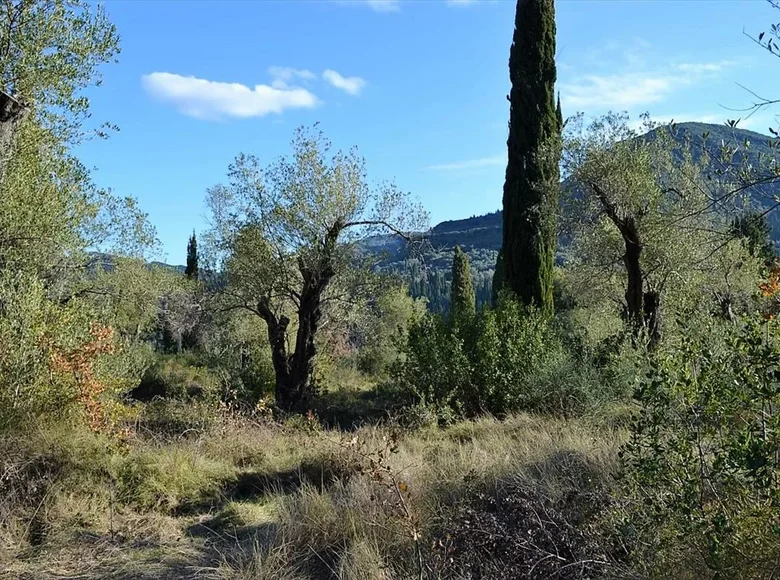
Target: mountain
{"points": [[428, 268]]}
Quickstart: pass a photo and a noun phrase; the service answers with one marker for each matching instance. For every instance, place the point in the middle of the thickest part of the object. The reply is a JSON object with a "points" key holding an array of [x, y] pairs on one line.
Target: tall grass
{"points": [[271, 501]]}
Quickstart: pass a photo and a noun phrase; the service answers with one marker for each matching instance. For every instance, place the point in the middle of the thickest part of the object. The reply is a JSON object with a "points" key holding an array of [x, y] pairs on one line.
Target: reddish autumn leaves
{"points": [[79, 365]]}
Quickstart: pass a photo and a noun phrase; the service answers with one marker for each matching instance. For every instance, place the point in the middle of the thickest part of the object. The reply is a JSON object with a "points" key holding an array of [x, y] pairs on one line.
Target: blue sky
{"points": [[419, 86]]}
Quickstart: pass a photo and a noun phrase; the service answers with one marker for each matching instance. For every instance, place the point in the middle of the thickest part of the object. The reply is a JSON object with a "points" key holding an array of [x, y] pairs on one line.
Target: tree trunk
{"points": [[652, 317], [11, 114], [642, 308], [294, 388], [635, 279]]}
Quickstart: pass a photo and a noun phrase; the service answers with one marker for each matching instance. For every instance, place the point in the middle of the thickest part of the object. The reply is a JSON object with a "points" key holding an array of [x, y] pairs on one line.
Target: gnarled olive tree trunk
{"points": [[294, 389], [643, 309]]}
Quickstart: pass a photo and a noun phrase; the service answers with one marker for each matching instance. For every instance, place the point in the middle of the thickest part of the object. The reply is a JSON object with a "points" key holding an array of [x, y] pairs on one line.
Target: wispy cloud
{"points": [[206, 99], [384, 5], [634, 88], [350, 85], [704, 67], [496, 161], [375, 5], [282, 76], [617, 90]]}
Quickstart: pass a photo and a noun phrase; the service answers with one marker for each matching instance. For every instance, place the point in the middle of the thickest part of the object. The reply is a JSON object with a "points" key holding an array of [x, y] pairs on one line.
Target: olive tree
{"points": [[52, 216], [50, 211], [49, 51], [285, 237], [648, 222]]}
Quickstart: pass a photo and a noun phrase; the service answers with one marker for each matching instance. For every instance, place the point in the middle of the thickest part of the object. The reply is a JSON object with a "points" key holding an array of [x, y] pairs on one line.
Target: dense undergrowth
{"points": [[249, 499]]}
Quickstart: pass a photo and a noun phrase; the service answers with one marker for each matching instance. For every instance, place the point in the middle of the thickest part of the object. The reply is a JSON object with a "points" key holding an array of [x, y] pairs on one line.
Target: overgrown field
{"points": [[525, 497]]}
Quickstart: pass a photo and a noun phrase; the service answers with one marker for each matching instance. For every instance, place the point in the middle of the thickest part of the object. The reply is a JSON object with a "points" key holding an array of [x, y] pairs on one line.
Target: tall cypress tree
{"points": [[191, 271], [463, 300], [532, 173]]}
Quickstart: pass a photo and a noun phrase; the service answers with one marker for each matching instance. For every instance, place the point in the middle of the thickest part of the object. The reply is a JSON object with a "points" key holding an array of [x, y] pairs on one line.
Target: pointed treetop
{"points": [[463, 301], [191, 271]]}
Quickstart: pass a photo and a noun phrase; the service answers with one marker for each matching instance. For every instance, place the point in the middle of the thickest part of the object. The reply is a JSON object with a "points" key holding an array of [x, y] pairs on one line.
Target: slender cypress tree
{"points": [[463, 300], [191, 271], [532, 175]]}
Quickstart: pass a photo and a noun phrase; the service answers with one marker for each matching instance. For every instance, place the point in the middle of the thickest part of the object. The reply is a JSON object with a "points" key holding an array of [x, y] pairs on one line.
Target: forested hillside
{"points": [[426, 265]]}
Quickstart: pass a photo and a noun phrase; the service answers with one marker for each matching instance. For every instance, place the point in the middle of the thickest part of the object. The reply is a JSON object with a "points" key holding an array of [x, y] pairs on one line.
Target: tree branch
{"points": [[382, 223]]}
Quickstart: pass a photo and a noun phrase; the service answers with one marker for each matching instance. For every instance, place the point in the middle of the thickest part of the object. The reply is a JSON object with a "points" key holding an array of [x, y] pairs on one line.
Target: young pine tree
{"points": [[532, 179], [191, 271], [462, 296]]}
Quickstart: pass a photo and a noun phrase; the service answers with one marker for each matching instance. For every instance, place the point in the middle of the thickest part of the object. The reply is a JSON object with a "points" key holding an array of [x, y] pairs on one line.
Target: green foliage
{"points": [[508, 358], [52, 50], [703, 449], [385, 328], [498, 277], [436, 370], [463, 301], [27, 319], [753, 228], [175, 377], [532, 180], [626, 196], [191, 271], [234, 347], [52, 217]]}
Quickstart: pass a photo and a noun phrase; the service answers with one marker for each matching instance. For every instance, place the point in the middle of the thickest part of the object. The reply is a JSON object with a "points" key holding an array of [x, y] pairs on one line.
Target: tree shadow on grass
{"points": [[319, 473], [348, 410]]}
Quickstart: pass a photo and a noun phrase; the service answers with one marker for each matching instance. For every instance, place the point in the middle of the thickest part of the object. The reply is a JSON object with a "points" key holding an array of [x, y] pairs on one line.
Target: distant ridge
{"points": [[481, 236]]}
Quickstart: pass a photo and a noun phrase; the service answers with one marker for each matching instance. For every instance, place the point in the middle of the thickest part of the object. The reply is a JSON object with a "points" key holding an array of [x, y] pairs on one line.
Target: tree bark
{"points": [[12, 112], [635, 278], [642, 308], [294, 387]]}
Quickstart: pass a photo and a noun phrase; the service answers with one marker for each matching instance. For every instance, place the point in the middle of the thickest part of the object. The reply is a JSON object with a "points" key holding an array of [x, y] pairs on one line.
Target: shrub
{"points": [[437, 370], [703, 457], [508, 358], [175, 377]]}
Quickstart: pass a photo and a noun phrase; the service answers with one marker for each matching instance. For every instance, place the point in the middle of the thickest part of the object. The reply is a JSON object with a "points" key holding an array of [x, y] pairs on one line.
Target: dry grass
{"points": [[264, 501]]}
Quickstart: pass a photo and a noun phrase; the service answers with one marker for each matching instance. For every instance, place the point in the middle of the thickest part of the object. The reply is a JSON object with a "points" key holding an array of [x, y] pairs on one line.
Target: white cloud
{"points": [[704, 67], [635, 88], [283, 75], [350, 85], [384, 5], [375, 5], [498, 160], [617, 90], [207, 99]]}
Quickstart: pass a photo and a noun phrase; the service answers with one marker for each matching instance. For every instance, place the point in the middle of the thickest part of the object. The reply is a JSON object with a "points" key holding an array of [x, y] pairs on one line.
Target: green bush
{"points": [[509, 358], [703, 455], [437, 370]]}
